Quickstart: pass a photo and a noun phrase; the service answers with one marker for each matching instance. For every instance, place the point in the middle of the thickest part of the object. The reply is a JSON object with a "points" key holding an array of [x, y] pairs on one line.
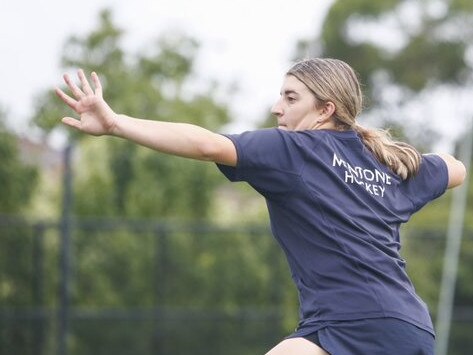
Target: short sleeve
{"points": [[430, 183], [268, 159]]}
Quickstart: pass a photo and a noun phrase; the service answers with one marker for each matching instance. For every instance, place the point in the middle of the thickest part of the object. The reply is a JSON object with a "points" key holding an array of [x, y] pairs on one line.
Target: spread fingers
{"points": [[74, 88], [85, 84], [66, 98]]}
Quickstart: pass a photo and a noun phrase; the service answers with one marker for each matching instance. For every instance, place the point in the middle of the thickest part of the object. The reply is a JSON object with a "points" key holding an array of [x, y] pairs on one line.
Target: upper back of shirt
{"points": [[336, 212], [335, 163]]}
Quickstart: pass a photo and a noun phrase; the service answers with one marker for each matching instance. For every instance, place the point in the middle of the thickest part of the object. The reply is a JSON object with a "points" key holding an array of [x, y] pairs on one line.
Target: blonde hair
{"points": [[335, 81]]}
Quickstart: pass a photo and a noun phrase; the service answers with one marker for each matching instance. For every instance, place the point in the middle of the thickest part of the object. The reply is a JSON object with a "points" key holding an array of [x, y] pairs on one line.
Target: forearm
{"points": [[180, 139]]}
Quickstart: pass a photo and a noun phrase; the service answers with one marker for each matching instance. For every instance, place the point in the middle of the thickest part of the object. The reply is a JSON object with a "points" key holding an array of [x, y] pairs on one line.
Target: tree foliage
{"points": [[17, 180], [427, 43], [17, 185], [154, 85], [400, 48]]}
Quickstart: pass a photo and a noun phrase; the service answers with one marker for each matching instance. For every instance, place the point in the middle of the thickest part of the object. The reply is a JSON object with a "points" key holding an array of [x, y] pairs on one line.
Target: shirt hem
{"points": [[320, 322]]}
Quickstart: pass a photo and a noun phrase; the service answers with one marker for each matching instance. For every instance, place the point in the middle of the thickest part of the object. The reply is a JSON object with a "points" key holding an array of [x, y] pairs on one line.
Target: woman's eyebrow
{"points": [[289, 92]]}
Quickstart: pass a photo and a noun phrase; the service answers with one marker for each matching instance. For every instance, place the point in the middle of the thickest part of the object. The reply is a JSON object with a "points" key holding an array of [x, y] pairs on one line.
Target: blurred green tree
{"points": [[17, 185], [117, 177], [403, 51], [17, 180]]}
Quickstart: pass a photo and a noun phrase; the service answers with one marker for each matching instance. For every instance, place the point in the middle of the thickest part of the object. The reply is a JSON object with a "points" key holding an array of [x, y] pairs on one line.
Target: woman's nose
{"points": [[276, 109]]}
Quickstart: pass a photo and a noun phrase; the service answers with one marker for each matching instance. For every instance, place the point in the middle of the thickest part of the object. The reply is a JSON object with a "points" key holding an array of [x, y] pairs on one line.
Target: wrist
{"points": [[116, 125]]}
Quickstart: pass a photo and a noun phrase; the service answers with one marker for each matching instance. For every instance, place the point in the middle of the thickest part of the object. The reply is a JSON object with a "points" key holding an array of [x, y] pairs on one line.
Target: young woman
{"points": [[336, 192]]}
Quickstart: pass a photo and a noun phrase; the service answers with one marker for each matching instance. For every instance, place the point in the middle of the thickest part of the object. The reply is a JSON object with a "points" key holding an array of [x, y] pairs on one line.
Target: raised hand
{"points": [[96, 116]]}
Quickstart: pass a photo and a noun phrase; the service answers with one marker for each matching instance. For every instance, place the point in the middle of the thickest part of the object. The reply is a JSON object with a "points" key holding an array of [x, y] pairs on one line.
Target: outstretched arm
{"points": [[181, 139]]}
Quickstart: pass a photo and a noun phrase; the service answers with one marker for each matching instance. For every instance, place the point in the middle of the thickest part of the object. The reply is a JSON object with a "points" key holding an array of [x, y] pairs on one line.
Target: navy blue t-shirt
{"points": [[336, 212]]}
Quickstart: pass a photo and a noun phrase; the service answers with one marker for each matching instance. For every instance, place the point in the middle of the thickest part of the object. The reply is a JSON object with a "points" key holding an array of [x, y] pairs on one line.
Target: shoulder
{"points": [[272, 137], [271, 148]]}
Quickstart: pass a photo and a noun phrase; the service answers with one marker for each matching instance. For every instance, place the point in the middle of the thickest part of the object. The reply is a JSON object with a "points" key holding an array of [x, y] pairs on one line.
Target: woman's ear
{"points": [[326, 112], [328, 109]]}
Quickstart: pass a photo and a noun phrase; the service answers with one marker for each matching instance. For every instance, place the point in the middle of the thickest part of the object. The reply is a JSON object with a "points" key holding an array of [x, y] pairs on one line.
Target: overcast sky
{"points": [[245, 41]]}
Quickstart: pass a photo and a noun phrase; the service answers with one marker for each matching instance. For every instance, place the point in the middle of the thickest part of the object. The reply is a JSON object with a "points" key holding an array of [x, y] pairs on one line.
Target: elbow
{"points": [[463, 173], [209, 151], [456, 170], [219, 150], [457, 175]]}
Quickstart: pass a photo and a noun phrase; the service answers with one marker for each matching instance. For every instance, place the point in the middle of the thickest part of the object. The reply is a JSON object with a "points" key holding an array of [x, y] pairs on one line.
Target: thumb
{"points": [[72, 122]]}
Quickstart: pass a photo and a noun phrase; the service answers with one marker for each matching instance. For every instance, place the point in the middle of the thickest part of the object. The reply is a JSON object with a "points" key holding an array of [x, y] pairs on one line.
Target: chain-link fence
{"points": [[144, 287]]}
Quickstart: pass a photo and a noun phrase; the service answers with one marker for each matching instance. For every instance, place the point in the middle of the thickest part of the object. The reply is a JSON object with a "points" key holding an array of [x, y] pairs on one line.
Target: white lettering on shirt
{"points": [[374, 181]]}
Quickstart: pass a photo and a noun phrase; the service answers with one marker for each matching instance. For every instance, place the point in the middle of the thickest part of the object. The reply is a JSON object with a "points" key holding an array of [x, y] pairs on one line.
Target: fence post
{"points": [[38, 287], [65, 255], [452, 252], [161, 268]]}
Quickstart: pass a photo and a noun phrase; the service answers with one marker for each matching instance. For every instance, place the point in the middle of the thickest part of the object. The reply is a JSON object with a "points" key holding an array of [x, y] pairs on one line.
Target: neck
{"points": [[325, 125]]}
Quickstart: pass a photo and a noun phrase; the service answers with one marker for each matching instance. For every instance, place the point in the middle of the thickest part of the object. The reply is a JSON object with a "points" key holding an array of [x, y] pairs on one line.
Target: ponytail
{"points": [[400, 157]]}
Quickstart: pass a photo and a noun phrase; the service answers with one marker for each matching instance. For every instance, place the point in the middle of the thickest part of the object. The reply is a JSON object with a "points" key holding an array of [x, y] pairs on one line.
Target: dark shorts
{"points": [[383, 336]]}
